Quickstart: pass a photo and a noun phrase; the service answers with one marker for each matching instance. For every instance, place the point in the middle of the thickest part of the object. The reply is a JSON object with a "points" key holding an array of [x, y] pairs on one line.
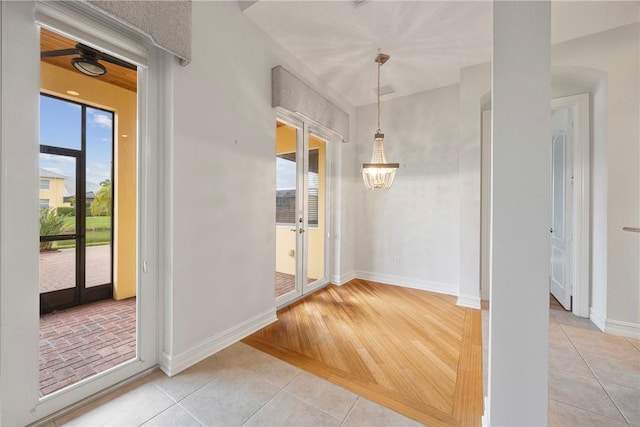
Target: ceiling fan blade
{"points": [[116, 61], [61, 52], [89, 51], [86, 51]]}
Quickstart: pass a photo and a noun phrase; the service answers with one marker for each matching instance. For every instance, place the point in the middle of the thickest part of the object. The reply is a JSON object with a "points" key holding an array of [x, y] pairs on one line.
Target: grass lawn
{"points": [[94, 237], [92, 222]]}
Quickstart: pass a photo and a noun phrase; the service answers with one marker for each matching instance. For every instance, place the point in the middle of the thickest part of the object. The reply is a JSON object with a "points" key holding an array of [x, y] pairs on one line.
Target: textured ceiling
{"points": [[429, 41]]}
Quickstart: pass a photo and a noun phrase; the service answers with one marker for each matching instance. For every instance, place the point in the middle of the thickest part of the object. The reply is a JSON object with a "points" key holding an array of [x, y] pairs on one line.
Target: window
{"points": [[44, 203], [44, 184], [286, 193]]}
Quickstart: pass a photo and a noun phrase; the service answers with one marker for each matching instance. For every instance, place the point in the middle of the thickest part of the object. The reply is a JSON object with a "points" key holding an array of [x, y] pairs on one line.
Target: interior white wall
{"points": [[520, 206], [588, 64], [223, 179], [621, 65], [475, 83], [348, 178], [409, 235]]}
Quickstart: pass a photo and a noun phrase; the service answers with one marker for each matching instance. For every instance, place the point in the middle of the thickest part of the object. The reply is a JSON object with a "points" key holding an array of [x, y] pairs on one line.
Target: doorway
{"points": [[87, 201], [570, 216], [302, 206]]}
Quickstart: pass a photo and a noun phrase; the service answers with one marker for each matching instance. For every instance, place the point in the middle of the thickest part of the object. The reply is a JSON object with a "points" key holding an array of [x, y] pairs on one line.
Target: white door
{"points": [[302, 204], [561, 190]]}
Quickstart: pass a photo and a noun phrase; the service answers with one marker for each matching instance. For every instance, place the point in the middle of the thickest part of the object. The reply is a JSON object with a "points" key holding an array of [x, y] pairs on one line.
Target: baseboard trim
{"points": [[173, 364], [598, 319], [485, 413], [343, 278], [468, 301], [623, 329], [407, 282]]}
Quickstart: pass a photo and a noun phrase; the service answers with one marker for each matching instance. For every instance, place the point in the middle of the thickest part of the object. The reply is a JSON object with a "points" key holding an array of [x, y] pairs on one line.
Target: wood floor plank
{"points": [[415, 352]]}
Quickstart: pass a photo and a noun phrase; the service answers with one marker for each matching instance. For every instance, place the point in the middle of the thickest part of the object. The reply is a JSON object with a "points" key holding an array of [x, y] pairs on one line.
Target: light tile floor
{"points": [[239, 386], [594, 378]]}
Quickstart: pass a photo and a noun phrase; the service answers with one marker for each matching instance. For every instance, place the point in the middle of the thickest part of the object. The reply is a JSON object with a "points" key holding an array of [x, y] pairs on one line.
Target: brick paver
{"points": [[286, 283], [83, 341], [58, 268]]}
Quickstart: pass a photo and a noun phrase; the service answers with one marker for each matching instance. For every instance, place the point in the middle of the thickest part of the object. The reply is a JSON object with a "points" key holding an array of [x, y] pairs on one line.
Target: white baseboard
{"points": [[623, 329], [598, 319], [470, 301], [343, 278], [485, 414], [407, 282], [173, 364]]}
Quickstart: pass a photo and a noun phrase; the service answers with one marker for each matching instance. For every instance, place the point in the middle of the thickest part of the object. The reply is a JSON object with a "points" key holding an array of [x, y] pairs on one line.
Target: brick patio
{"points": [[58, 268], [82, 341], [286, 283]]}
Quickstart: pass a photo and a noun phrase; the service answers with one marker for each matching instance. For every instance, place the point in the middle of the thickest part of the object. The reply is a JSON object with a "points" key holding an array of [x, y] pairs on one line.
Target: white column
{"points": [[518, 347], [19, 233]]}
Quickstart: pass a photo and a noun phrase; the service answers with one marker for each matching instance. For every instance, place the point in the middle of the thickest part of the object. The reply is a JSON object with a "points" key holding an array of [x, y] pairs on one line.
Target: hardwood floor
{"points": [[415, 352]]}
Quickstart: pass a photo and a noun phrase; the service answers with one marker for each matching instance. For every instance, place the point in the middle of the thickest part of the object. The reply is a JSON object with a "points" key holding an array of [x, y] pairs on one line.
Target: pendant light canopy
{"points": [[379, 175]]}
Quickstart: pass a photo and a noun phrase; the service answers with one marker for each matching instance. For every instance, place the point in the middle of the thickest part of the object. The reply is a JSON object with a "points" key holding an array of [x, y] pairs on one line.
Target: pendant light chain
{"points": [[379, 65]]}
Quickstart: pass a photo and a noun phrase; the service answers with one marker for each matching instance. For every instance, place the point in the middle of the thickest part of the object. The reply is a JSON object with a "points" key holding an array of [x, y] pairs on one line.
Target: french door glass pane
{"points": [[286, 209], [315, 209], [99, 196]]}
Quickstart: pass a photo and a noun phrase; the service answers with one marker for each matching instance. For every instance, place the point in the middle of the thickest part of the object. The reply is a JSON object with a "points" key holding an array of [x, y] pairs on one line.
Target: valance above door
{"points": [[167, 23], [292, 94]]}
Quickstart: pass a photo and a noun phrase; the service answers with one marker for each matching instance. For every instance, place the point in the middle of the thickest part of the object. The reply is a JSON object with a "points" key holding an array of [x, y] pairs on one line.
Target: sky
{"points": [[61, 126]]}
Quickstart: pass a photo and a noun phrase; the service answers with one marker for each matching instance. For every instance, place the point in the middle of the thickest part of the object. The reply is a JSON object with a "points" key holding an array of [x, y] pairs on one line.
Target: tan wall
{"points": [[285, 239], [57, 81], [55, 193]]}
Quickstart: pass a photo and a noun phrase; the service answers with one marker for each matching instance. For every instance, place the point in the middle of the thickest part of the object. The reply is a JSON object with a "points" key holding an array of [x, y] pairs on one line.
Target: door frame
{"points": [[581, 201], [306, 127], [19, 77]]}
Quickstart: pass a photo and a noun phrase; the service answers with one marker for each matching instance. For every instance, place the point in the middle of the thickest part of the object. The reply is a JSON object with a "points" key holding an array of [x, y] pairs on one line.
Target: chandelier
{"points": [[378, 175]]}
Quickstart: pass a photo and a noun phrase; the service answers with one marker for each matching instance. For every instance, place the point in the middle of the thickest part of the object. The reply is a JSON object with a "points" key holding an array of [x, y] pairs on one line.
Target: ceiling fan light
{"points": [[88, 66]]}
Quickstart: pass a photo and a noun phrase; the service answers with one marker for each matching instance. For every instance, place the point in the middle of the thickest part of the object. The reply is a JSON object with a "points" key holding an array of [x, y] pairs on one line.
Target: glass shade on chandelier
{"points": [[379, 175]]}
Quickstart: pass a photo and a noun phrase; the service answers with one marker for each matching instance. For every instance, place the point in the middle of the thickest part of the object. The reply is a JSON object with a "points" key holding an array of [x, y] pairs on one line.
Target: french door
{"points": [[76, 220], [302, 207]]}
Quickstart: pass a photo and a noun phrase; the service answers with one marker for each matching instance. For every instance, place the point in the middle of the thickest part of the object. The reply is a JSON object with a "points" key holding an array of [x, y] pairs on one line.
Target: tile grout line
{"points": [[260, 408], [155, 415], [614, 403], [193, 415], [350, 411], [310, 404], [591, 412], [595, 377]]}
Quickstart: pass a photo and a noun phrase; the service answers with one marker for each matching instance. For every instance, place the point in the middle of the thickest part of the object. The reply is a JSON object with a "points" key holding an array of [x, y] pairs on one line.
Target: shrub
{"points": [[50, 225], [65, 211]]}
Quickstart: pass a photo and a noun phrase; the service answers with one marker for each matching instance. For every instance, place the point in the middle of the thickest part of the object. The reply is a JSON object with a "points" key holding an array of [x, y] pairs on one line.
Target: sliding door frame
{"points": [[19, 290]]}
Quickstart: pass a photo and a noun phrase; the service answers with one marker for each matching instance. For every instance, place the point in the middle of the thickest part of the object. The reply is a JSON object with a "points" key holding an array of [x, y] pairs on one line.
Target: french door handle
{"points": [[292, 229], [301, 230]]}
